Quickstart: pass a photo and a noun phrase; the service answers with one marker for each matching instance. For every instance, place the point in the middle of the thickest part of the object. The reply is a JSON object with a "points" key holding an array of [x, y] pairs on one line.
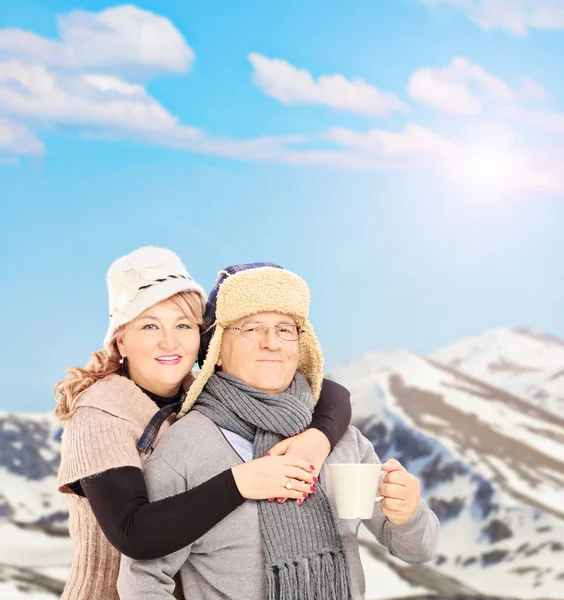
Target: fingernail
{"points": [[315, 480], [281, 500], [312, 488], [271, 499], [305, 495], [312, 467], [300, 502], [267, 454]]}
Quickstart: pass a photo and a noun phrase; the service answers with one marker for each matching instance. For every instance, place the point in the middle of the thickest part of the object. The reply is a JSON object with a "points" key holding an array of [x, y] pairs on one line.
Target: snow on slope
{"points": [[33, 564], [29, 459], [526, 362]]}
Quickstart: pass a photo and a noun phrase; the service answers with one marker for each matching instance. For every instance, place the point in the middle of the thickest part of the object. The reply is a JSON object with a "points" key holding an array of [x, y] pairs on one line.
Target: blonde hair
{"points": [[106, 361]]}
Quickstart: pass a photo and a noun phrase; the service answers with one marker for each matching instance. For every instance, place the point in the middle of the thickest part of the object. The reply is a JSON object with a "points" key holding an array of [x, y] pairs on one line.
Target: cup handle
{"points": [[381, 478]]}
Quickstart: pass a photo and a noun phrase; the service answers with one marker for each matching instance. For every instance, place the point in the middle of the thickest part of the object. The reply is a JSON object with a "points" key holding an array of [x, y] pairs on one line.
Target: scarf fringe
{"points": [[324, 576]]}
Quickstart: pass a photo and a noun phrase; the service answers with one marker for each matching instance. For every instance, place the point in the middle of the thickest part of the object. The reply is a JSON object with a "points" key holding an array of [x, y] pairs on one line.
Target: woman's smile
{"points": [[169, 359]]}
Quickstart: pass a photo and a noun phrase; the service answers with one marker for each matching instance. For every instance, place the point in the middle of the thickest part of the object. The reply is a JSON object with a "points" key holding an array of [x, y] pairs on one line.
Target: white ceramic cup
{"points": [[356, 489]]}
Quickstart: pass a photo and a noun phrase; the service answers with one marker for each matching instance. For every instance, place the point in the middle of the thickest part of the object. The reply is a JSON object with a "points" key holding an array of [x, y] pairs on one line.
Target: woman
{"points": [[116, 408], [259, 383]]}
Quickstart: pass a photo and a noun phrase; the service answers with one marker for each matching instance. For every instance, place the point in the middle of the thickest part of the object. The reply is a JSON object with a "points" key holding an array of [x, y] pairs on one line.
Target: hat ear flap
{"points": [[207, 370], [311, 361]]}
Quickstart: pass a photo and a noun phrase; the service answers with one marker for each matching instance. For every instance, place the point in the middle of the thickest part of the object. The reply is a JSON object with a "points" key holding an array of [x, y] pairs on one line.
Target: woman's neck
{"points": [[161, 401]]}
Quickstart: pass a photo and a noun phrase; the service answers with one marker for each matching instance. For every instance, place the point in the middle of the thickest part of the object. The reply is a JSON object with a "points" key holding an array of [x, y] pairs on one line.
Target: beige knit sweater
{"points": [[102, 434]]}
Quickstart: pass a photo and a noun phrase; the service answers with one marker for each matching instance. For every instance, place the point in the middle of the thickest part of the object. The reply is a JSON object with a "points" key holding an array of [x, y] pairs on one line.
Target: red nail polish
{"points": [[300, 502], [312, 489], [281, 500], [312, 467], [305, 495], [315, 480], [271, 499], [267, 454]]}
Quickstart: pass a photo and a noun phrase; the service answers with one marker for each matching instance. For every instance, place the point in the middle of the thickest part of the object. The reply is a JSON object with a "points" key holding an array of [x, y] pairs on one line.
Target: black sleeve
{"points": [[146, 530], [333, 411]]}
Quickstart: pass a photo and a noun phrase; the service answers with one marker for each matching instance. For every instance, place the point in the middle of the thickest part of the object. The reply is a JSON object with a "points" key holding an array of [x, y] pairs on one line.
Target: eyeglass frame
{"points": [[300, 331]]}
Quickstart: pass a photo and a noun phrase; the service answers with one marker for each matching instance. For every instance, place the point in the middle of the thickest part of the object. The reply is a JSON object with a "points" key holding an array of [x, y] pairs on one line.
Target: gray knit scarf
{"points": [[302, 546]]}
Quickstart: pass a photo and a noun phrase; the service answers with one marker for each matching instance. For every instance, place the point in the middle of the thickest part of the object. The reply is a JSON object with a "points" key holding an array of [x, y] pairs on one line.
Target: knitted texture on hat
{"points": [[142, 279], [255, 290]]}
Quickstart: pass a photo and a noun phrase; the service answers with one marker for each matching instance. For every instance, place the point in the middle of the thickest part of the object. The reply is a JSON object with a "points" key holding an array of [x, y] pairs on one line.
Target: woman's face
{"points": [[269, 364], [161, 347]]}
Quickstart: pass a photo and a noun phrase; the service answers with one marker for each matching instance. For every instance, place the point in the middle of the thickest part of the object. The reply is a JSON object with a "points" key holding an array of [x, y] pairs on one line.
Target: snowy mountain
{"points": [[522, 361], [491, 466], [488, 451], [29, 459], [36, 551]]}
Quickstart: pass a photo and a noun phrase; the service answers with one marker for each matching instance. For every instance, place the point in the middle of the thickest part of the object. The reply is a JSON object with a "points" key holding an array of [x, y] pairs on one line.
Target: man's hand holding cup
{"points": [[401, 491]]}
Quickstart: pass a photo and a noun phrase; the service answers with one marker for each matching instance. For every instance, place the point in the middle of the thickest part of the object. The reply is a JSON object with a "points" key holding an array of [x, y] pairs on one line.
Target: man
{"points": [[258, 384]]}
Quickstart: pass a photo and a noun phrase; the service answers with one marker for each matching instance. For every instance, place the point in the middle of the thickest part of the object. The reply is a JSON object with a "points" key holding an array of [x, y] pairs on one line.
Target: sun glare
{"points": [[489, 170]]}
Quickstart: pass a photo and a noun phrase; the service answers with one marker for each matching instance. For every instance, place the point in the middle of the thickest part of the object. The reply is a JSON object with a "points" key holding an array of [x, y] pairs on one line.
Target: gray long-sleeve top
{"points": [[227, 562]]}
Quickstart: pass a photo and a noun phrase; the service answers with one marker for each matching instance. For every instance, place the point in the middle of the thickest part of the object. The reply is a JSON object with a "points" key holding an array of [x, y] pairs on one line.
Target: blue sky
{"points": [[405, 157]]}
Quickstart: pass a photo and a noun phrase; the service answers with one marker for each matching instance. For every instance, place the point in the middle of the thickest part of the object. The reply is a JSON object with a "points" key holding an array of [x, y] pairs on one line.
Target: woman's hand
{"points": [[312, 446], [266, 478]]}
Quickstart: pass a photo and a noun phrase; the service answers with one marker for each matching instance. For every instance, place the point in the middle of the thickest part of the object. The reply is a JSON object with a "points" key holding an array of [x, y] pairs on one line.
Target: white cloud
{"points": [[551, 122], [115, 39], [413, 140], [376, 149], [105, 106], [494, 133], [103, 101], [517, 16], [16, 139], [281, 80], [462, 87], [440, 90], [532, 89], [372, 150], [447, 88], [78, 84]]}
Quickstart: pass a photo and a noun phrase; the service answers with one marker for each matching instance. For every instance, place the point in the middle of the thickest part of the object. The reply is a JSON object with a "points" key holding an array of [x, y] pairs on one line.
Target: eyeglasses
{"points": [[288, 333]]}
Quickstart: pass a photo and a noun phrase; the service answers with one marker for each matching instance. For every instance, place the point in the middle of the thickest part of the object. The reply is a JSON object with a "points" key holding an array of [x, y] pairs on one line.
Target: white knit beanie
{"points": [[141, 279]]}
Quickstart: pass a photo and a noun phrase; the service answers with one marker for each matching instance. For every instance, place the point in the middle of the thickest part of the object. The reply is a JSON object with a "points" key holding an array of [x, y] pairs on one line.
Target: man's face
{"points": [[268, 364]]}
